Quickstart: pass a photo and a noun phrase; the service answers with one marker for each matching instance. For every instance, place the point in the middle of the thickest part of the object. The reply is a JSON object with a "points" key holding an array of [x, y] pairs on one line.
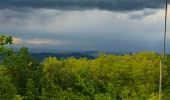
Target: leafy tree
{"points": [[30, 90], [108, 77], [21, 66], [5, 40], [7, 89], [131, 77]]}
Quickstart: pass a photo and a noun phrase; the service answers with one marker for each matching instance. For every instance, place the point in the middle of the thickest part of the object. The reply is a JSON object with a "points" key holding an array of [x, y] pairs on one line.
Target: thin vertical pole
{"points": [[162, 63], [160, 82], [166, 10]]}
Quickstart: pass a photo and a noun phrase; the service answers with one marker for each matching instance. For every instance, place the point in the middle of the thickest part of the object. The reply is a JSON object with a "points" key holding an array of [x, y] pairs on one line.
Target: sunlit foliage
{"points": [[108, 77]]}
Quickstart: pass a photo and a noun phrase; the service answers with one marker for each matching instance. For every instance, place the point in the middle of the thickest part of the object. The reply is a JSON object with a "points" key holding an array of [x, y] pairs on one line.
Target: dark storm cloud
{"points": [[115, 5]]}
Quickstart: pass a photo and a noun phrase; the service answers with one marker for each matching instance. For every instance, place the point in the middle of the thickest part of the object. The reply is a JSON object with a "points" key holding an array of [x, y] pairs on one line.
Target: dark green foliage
{"points": [[30, 90], [167, 82], [4, 40], [22, 67]]}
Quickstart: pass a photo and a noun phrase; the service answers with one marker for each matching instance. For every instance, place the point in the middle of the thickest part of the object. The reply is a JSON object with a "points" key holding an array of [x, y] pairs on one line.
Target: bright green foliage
{"points": [[154, 97], [130, 77], [133, 77], [18, 97], [7, 89]]}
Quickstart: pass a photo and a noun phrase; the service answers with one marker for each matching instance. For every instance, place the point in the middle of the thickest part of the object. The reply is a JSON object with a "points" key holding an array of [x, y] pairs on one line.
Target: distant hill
{"points": [[41, 56]]}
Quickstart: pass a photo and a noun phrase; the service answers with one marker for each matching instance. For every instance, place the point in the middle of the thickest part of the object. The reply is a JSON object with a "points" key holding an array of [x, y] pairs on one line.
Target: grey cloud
{"points": [[86, 30], [114, 5], [139, 15]]}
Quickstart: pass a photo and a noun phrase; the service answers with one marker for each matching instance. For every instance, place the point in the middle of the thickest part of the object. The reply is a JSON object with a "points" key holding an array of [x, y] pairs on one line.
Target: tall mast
{"points": [[165, 32], [164, 52]]}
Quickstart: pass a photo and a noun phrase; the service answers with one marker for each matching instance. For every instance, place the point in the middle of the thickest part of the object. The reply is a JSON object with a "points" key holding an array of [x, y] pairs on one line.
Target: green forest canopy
{"points": [[108, 77]]}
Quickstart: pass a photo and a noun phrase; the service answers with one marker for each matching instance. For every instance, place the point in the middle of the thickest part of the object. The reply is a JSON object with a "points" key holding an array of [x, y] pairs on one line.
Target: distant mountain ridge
{"points": [[41, 54], [77, 55]]}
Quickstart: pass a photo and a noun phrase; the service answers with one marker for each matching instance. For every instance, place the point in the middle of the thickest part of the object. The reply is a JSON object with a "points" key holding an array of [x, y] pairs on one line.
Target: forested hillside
{"points": [[107, 77]]}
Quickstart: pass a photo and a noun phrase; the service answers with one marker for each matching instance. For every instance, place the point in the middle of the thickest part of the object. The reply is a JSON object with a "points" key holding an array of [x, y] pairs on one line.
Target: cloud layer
{"points": [[121, 25], [85, 30], [114, 5]]}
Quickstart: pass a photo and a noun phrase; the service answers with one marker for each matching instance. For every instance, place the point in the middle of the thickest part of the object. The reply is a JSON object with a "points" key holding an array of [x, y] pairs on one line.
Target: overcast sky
{"points": [[85, 25]]}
